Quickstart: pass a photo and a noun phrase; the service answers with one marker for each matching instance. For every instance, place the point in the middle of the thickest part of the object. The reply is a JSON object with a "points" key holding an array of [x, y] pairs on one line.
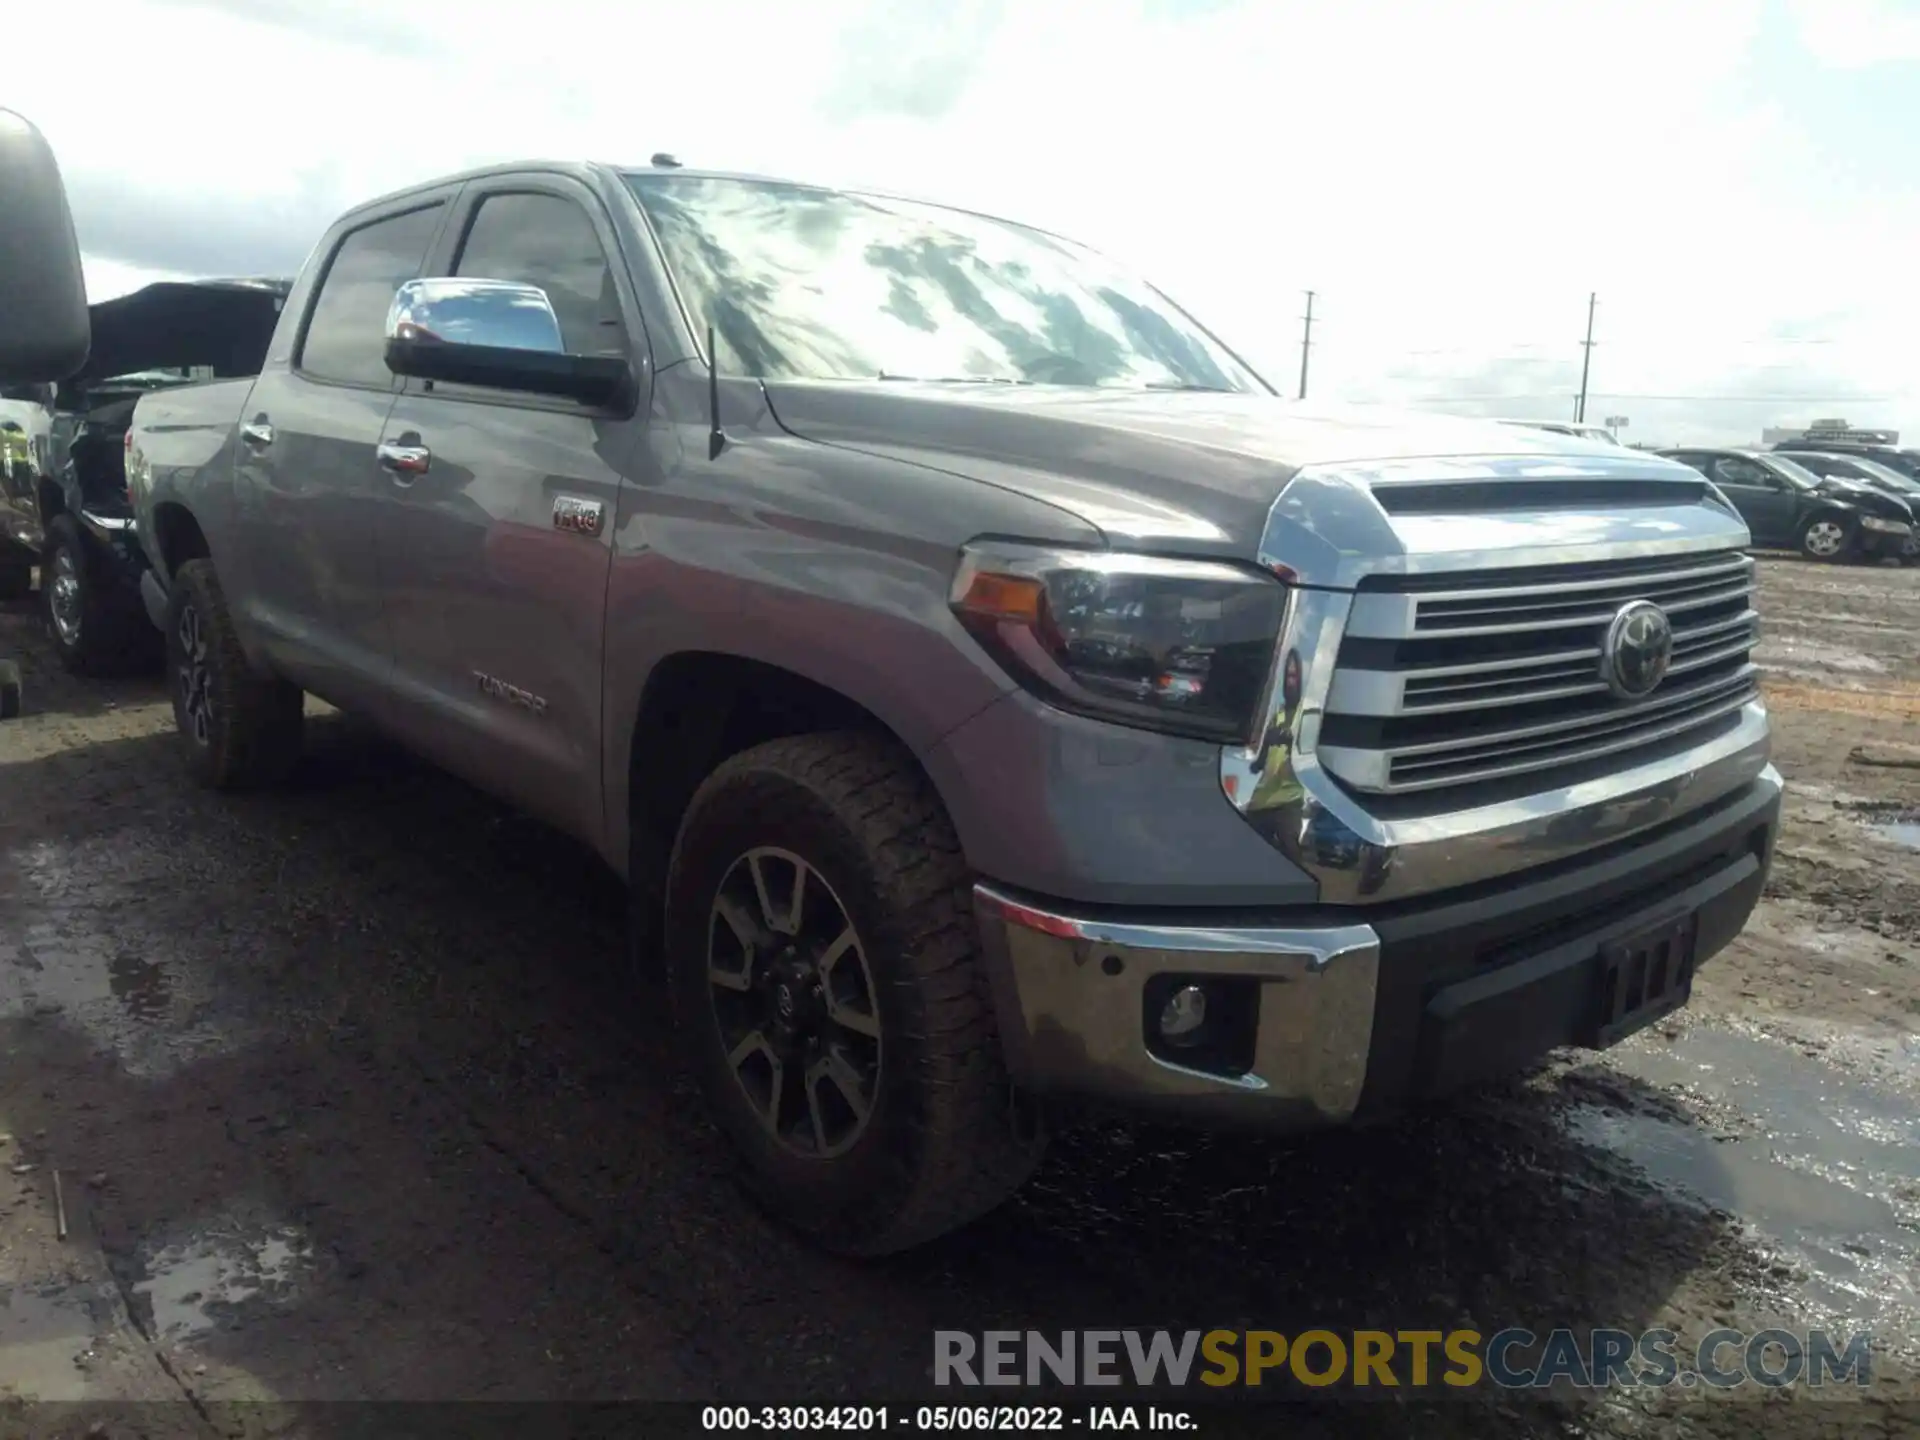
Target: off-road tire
{"points": [[115, 636], [945, 1142], [1849, 537], [16, 572], [9, 690], [254, 732]]}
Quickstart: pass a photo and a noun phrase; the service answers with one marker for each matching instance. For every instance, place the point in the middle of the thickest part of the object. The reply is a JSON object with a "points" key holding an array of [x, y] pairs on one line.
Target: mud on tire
{"points": [[940, 1142], [240, 729]]}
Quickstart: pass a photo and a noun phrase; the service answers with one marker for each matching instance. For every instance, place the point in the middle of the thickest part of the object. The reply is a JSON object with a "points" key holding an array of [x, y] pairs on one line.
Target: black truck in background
{"points": [[63, 503]]}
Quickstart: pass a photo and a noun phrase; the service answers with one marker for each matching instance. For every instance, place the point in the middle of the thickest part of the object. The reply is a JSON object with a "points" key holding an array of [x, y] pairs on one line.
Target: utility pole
{"points": [[1586, 359], [1306, 344]]}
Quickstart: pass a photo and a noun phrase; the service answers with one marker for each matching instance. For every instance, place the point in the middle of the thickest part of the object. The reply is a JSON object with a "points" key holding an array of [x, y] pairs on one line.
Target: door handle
{"points": [[404, 459], [257, 432]]}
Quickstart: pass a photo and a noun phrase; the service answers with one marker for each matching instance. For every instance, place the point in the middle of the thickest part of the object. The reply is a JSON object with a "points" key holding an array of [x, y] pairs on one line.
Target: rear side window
{"points": [[549, 241], [346, 333]]}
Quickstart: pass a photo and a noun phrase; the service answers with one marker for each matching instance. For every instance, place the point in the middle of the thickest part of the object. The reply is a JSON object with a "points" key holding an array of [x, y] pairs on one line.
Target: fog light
{"points": [[1184, 1015]]}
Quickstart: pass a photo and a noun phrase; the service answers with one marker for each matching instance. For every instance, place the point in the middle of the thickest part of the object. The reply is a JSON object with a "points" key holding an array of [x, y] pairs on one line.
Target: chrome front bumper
{"points": [[1071, 993], [1356, 1014]]}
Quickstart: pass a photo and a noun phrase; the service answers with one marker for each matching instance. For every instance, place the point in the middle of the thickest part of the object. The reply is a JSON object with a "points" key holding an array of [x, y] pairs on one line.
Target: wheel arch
{"points": [[698, 709], [178, 537]]}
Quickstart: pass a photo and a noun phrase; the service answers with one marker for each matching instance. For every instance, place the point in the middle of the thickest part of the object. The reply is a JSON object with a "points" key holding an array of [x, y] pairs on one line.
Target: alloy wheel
{"points": [[63, 597], [795, 1002], [195, 677], [1824, 538]]}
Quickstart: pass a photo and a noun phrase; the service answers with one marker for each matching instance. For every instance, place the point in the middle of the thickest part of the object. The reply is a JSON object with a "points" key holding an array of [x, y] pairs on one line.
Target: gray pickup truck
{"points": [[1002, 706]]}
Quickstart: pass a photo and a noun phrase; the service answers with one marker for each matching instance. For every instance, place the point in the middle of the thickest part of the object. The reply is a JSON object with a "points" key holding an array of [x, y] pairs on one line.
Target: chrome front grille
{"points": [[1479, 679]]}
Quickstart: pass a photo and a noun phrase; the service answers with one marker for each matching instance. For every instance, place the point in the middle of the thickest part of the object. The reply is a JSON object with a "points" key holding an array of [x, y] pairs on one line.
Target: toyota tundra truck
{"points": [[1002, 706]]}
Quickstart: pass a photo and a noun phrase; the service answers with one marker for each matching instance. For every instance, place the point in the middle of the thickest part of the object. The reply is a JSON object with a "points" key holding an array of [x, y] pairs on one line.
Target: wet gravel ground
{"points": [[349, 1099]]}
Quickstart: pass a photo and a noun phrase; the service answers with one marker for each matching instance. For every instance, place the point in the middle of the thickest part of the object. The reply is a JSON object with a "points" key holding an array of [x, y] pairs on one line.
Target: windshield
{"points": [[1887, 478], [1796, 473], [805, 283]]}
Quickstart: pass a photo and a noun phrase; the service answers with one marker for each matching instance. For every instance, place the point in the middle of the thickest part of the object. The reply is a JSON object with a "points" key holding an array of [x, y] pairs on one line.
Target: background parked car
{"points": [[67, 508], [1905, 462], [1784, 503], [1869, 472]]}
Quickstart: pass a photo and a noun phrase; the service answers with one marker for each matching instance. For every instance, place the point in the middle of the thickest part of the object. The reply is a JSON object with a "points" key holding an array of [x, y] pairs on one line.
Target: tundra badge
{"points": [[581, 517], [500, 690]]}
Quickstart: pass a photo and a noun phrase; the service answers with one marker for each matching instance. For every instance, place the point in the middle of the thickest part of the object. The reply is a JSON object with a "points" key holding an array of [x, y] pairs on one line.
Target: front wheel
{"points": [[240, 729], [826, 979], [97, 626], [1826, 537]]}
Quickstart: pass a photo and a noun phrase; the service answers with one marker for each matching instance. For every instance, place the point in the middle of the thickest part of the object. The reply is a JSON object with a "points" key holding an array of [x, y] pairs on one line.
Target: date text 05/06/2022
{"points": [[797, 1419]]}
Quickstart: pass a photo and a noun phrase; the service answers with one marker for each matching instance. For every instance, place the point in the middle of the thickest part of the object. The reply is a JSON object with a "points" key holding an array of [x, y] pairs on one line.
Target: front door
{"points": [[307, 486], [1761, 497], [496, 538]]}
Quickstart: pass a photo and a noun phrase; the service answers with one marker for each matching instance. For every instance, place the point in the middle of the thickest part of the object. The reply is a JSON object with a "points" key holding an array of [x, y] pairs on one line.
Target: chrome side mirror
{"points": [[498, 335], [499, 314]]}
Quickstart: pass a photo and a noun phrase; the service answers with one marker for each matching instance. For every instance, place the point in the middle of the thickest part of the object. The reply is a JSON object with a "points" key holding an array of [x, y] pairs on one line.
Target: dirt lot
{"points": [[348, 1099]]}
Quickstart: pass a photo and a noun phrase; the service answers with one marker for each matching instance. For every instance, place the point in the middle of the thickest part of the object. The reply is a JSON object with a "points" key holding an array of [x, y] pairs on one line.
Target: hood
{"points": [[225, 324], [1867, 498], [1189, 469]]}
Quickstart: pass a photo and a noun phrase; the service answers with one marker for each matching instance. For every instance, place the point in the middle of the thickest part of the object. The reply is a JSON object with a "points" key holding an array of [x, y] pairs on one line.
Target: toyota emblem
{"points": [[1637, 650]]}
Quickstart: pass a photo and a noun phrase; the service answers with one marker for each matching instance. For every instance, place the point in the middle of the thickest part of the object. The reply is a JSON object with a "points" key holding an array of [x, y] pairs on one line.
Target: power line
{"points": [[1700, 399], [1520, 349]]}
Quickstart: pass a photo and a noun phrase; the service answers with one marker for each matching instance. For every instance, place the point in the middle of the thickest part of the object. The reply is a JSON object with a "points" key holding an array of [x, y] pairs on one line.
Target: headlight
{"points": [[1180, 646], [1887, 527]]}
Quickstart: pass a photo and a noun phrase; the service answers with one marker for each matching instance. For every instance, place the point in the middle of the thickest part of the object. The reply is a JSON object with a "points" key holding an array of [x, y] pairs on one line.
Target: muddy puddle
{"points": [[46, 1344], [1891, 821], [89, 956], [1899, 832], [1821, 1164], [128, 1000], [199, 1284]]}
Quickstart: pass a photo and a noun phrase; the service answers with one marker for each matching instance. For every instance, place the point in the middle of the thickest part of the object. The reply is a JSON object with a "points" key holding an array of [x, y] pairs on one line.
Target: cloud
{"points": [[1857, 34], [905, 57], [1452, 180]]}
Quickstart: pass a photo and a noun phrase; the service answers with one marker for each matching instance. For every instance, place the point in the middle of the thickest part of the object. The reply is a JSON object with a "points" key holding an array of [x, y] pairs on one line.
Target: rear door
{"points": [[497, 611], [307, 485]]}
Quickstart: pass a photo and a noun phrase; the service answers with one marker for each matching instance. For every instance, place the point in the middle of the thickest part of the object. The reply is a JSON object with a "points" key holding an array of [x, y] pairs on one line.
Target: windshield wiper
{"points": [[1183, 385]]}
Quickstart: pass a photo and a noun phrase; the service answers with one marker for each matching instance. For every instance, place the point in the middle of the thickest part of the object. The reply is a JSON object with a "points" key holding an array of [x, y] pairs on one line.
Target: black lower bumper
{"points": [[1488, 983]]}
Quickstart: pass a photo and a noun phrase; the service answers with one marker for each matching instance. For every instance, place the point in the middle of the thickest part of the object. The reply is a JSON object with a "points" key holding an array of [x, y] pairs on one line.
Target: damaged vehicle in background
{"points": [[1858, 469], [67, 509], [1787, 505]]}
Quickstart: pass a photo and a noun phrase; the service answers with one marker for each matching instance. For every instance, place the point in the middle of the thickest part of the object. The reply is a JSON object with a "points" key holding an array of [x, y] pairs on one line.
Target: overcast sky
{"points": [[1734, 177]]}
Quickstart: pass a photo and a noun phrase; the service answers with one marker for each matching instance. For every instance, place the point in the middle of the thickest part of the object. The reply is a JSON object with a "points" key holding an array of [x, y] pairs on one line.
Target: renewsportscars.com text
{"points": [[1514, 1358]]}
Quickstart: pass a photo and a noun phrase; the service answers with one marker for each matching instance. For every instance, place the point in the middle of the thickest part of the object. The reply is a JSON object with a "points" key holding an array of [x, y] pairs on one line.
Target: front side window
{"points": [[346, 331], [807, 283], [550, 242]]}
